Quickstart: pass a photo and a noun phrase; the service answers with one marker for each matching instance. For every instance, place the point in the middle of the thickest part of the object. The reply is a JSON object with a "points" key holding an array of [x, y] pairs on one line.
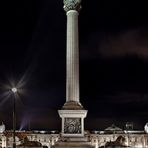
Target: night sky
{"points": [[113, 62]]}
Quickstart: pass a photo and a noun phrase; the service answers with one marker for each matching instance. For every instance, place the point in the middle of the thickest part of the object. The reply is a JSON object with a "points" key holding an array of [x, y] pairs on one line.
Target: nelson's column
{"points": [[72, 113]]}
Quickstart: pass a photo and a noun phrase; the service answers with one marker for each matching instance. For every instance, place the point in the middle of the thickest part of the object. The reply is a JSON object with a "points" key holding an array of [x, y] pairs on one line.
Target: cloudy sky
{"points": [[113, 62]]}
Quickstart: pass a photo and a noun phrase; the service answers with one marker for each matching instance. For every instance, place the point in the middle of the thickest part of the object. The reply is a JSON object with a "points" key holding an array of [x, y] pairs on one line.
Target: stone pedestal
{"points": [[72, 122]]}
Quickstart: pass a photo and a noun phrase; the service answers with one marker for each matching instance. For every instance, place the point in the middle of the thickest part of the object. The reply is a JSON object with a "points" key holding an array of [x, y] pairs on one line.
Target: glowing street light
{"points": [[14, 91]]}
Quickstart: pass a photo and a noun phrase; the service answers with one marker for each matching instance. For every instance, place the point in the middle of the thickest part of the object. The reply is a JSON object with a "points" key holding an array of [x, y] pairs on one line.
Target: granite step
{"points": [[73, 144]]}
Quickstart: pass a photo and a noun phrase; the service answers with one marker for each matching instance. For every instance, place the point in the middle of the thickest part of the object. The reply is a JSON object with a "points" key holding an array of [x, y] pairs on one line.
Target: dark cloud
{"points": [[125, 97], [130, 42], [116, 44]]}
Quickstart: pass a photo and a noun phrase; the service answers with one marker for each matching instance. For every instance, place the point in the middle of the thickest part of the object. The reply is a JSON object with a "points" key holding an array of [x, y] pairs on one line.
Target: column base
{"points": [[72, 105], [72, 122]]}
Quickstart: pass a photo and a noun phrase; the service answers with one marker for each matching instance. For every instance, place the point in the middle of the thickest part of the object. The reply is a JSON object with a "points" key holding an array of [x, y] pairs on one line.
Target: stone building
{"points": [[98, 139]]}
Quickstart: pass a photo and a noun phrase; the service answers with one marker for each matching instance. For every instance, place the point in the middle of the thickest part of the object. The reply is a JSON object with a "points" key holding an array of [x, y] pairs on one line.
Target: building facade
{"points": [[98, 139]]}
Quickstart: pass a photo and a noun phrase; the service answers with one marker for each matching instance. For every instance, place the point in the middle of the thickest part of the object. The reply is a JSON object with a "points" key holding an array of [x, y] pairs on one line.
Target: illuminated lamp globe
{"points": [[14, 90], [146, 128]]}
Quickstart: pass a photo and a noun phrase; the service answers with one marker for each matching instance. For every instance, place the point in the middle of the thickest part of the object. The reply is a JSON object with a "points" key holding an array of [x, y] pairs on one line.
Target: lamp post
{"points": [[14, 91]]}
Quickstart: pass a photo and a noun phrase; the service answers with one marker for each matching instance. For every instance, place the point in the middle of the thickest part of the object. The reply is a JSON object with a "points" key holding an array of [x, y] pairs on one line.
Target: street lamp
{"points": [[14, 91]]}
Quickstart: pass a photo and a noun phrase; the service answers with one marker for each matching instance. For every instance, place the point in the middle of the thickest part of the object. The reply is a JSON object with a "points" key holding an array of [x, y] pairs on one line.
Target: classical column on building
{"points": [[72, 113]]}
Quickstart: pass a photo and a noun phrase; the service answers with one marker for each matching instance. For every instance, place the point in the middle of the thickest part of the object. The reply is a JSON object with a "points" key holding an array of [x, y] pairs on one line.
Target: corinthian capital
{"points": [[72, 5]]}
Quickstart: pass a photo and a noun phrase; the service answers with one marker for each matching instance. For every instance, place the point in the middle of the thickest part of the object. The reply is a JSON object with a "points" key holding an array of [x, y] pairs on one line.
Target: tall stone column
{"points": [[72, 79], [72, 113], [72, 8]]}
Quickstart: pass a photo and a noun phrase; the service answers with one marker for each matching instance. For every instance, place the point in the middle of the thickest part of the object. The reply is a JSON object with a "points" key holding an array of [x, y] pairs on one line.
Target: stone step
{"points": [[74, 144], [81, 139]]}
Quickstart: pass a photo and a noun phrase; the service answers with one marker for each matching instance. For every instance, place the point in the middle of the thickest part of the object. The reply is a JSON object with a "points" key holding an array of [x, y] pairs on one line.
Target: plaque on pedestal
{"points": [[72, 126]]}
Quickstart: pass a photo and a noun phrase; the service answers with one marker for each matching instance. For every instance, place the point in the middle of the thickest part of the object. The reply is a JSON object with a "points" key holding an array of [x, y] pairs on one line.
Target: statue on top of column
{"points": [[72, 5]]}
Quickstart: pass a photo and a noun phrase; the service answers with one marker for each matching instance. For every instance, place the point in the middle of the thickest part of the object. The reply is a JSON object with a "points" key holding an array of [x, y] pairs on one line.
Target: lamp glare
{"points": [[14, 90]]}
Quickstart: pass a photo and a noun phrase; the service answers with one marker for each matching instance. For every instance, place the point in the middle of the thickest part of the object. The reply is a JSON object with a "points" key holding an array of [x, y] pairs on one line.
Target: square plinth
{"points": [[72, 122]]}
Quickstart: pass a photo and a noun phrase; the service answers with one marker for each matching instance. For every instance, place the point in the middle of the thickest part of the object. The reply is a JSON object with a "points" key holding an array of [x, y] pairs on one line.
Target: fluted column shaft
{"points": [[72, 71]]}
